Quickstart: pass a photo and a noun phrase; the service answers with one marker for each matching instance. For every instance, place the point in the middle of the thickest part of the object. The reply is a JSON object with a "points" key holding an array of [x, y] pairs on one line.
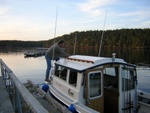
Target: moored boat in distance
{"points": [[89, 84], [36, 52]]}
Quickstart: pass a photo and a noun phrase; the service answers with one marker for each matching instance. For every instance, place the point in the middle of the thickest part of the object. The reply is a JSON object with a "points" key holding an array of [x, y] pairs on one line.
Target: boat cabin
{"points": [[95, 84]]}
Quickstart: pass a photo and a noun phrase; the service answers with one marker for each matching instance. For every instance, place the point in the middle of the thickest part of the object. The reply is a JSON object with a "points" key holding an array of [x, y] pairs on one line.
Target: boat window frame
{"points": [[101, 86]]}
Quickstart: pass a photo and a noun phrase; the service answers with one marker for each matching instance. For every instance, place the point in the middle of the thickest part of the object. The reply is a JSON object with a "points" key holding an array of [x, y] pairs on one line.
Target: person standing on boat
{"points": [[54, 53]]}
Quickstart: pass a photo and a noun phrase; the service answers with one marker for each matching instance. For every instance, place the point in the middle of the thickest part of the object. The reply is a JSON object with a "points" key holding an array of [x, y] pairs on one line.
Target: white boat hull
{"points": [[143, 102]]}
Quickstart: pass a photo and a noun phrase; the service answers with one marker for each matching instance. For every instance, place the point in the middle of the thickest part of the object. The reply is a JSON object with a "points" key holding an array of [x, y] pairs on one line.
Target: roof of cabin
{"points": [[82, 62]]}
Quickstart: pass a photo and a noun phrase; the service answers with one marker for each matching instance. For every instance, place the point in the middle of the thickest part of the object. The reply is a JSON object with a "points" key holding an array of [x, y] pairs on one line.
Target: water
{"points": [[143, 76], [25, 68], [35, 68]]}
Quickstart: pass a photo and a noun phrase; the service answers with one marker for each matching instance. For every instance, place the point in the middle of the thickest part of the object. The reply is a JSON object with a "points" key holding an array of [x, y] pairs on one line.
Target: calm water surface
{"points": [[25, 68], [34, 69]]}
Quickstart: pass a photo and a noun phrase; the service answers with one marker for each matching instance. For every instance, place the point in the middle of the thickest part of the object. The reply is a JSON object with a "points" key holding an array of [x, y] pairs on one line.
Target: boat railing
{"points": [[18, 93]]}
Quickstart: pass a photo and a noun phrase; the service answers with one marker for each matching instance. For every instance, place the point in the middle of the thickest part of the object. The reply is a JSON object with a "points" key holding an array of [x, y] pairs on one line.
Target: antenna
{"points": [[75, 44], [55, 28], [102, 36]]}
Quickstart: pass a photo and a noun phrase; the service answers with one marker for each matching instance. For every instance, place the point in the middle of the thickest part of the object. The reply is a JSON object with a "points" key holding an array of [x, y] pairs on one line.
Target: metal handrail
{"points": [[17, 89]]}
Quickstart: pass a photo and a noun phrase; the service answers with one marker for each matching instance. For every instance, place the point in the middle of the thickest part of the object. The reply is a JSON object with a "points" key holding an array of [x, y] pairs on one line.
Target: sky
{"points": [[36, 20]]}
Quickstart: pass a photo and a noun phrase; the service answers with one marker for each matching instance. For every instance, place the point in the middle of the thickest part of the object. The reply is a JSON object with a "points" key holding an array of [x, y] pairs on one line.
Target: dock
{"points": [[28, 97], [5, 101]]}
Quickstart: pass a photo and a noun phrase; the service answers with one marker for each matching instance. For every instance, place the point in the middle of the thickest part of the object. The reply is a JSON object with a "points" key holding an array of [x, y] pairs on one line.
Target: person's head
{"points": [[61, 43]]}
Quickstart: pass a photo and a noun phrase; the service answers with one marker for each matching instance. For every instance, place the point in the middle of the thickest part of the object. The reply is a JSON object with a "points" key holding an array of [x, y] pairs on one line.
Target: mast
{"points": [[52, 61], [102, 36], [55, 29], [75, 44]]}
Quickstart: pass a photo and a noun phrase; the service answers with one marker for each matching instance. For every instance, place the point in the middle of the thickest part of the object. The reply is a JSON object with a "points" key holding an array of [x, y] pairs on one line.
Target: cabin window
{"points": [[110, 71], [111, 77], [61, 72], [73, 78], [128, 79], [94, 84]]}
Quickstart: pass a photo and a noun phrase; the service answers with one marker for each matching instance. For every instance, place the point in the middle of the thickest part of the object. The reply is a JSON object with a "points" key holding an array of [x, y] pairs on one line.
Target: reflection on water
{"points": [[34, 68]]}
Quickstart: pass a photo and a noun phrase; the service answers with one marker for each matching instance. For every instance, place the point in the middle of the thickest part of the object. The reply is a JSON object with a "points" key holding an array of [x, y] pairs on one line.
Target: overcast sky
{"points": [[35, 19]]}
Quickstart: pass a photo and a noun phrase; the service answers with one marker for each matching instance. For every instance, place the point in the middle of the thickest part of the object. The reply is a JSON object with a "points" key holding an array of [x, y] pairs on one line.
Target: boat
{"points": [[30, 54], [34, 53], [90, 84]]}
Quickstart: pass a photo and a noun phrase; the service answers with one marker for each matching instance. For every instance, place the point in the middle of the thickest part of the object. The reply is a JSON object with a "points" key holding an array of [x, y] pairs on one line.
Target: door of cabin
{"points": [[94, 89], [128, 92]]}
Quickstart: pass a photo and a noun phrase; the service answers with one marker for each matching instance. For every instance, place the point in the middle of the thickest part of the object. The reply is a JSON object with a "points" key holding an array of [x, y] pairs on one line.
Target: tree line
{"points": [[119, 38], [20, 44]]}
